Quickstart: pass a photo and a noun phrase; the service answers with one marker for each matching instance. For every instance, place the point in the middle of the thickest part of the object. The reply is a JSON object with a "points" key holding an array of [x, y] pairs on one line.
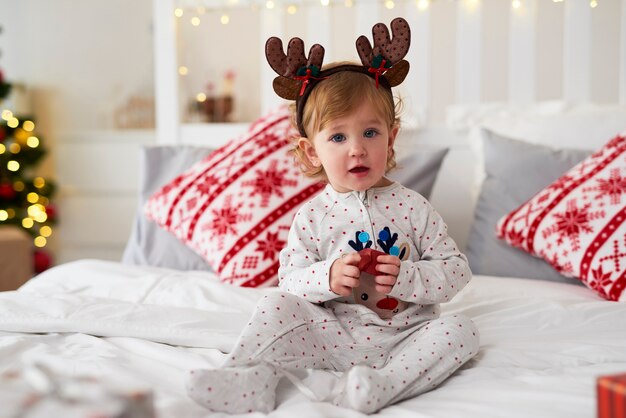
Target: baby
{"points": [[367, 262]]}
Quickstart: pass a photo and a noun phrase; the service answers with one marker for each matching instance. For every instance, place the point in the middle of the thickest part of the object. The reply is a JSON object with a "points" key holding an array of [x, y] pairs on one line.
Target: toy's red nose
{"points": [[387, 303]]}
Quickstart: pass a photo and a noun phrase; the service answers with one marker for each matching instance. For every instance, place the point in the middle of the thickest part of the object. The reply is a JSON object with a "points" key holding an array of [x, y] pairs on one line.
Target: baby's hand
{"points": [[389, 267], [344, 274]]}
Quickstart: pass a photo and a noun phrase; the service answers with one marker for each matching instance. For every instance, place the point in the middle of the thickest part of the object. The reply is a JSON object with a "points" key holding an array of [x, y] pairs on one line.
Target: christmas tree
{"points": [[25, 198]]}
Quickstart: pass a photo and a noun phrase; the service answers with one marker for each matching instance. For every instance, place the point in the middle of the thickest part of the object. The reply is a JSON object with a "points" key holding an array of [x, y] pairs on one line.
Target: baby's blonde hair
{"points": [[336, 97]]}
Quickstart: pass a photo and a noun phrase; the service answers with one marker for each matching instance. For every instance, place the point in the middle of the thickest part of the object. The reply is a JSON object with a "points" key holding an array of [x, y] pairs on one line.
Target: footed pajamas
{"points": [[309, 326]]}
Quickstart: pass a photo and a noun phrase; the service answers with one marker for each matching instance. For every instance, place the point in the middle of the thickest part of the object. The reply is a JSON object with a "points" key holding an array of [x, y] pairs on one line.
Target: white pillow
{"points": [[556, 124]]}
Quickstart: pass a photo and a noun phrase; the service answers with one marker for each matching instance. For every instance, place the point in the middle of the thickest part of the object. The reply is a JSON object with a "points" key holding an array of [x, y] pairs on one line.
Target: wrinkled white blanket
{"points": [[542, 344]]}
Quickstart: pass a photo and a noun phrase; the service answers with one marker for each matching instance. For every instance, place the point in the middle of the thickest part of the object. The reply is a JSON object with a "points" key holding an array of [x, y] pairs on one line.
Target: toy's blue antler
{"points": [[387, 241], [360, 238]]}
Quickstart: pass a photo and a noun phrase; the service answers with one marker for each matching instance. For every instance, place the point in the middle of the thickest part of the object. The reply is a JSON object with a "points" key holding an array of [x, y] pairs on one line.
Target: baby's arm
{"points": [[441, 271], [302, 271]]}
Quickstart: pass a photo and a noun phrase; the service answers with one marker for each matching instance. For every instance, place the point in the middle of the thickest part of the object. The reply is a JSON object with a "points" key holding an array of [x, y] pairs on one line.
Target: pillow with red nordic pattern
{"points": [[578, 223], [235, 206]]}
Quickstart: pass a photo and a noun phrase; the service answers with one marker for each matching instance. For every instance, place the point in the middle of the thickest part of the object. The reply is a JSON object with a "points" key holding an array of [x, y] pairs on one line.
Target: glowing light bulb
{"points": [[32, 197], [516, 4], [292, 9], [269, 4], [35, 210], [21, 134], [27, 223], [593, 4], [178, 12], [423, 4], [182, 70], [13, 165], [4, 215], [32, 141], [39, 182], [28, 125], [13, 122], [2, 149], [15, 148], [225, 19], [324, 2], [7, 114], [40, 242], [389, 4], [18, 186], [201, 97], [45, 231], [195, 21]]}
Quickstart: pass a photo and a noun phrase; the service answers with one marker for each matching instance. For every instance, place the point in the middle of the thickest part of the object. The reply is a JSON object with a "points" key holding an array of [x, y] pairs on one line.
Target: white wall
{"points": [[80, 60]]}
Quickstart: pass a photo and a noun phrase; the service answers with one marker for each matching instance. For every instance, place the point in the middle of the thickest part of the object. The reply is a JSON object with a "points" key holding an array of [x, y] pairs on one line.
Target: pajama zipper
{"points": [[366, 206]]}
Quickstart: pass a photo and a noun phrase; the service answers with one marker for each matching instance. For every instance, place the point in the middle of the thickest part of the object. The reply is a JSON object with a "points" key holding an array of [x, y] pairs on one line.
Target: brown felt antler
{"points": [[392, 50], [287, 65]]}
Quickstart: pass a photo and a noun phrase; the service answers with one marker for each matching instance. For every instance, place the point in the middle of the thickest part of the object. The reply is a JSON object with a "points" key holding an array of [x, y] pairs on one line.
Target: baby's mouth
{"points": [[359, 169]]}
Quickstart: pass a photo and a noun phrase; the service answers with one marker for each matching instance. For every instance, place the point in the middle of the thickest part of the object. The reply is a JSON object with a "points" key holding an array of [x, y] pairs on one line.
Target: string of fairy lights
{"points": [[195, 10]]}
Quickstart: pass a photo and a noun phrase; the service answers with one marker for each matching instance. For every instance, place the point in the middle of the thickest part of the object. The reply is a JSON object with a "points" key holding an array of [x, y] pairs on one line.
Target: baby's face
{"points": [[353, 149]]}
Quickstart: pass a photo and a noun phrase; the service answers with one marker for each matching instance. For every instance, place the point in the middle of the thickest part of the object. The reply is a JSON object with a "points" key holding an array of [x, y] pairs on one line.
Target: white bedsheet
{"points": [[542, 344]]}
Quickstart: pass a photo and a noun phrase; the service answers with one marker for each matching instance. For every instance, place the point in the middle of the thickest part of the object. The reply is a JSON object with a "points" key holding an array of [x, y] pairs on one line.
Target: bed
{"points": [[143, 323]]}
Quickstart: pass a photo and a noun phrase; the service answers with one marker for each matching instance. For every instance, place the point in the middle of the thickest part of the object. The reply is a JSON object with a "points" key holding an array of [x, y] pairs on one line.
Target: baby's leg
{"points": [[285, 332], [418, 364], [289, 332]]}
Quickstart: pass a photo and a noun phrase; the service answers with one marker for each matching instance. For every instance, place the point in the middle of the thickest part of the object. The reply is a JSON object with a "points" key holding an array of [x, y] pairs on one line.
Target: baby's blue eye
{"points": [[338, 138], [370, 133]]}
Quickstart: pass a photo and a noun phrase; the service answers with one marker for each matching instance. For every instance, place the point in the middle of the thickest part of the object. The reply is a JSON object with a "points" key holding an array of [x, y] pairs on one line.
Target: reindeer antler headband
{"points": [[298, 75]]}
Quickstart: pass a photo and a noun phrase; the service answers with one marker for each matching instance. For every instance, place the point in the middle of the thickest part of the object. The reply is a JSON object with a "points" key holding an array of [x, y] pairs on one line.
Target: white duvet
{"points": [[542, 344]]}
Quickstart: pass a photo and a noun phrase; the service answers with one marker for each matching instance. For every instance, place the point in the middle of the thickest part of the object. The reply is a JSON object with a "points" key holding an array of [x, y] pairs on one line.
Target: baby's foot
{"points": [[363, 389], [235, 390]]}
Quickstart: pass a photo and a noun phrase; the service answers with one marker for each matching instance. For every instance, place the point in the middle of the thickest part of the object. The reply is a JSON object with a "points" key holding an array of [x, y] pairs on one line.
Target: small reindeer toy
{"points": [[366, 294]]}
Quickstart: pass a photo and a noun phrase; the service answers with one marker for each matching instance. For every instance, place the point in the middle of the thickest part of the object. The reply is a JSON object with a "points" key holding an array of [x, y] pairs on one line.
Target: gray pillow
{"points": [[515, 171], [418, 170], [150, 245]]}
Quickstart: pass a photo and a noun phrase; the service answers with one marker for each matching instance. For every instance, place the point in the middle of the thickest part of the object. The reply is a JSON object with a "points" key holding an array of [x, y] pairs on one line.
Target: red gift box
{"points": [[612, 396]]}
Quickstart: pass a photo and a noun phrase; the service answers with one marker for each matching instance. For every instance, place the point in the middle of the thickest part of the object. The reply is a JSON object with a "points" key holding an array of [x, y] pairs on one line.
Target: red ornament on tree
{"points": [[51, 211], [42, 261], [6, 191]]}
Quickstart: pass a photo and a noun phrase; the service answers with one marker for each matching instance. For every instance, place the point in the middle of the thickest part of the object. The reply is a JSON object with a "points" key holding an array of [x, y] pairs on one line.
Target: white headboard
{"points": [[463, 52]]}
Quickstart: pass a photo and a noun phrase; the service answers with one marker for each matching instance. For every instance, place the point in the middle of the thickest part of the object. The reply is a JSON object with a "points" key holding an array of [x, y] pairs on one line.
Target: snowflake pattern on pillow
{"points": [[235, 207], [577, 223]]}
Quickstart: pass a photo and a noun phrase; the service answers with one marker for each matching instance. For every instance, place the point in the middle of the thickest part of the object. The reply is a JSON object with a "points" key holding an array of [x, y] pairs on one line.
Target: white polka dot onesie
{"points": [[389, 349]]}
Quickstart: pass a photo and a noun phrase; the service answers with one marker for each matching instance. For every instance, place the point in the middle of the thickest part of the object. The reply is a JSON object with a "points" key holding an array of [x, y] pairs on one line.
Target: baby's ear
{"points": [[392, 135], [309, 150]]}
